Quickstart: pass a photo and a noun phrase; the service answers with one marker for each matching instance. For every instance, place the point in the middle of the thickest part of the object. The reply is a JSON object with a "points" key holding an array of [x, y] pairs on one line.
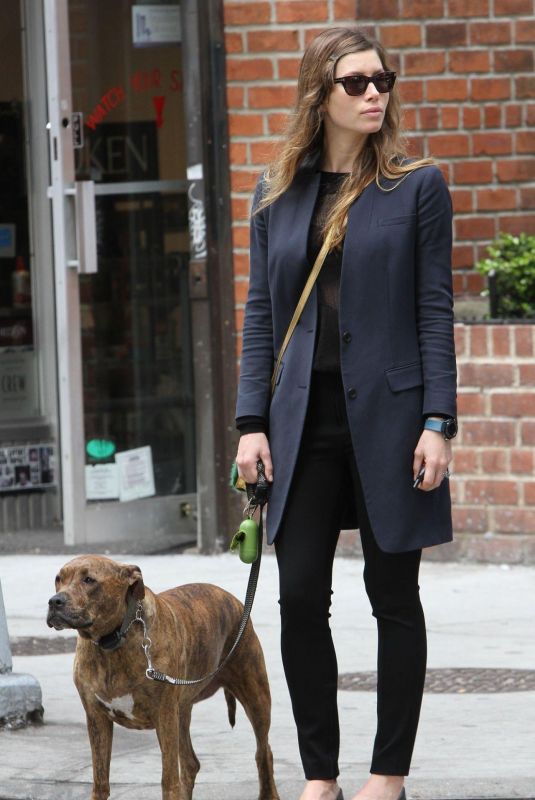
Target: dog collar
{"points": [[112, 641]]}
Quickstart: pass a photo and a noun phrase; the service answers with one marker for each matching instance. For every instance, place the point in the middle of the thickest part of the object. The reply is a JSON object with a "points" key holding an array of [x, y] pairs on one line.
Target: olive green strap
{"points": [[318, 263]]}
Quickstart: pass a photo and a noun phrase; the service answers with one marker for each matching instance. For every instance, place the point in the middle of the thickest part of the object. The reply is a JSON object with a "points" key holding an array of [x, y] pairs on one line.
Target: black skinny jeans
{"points": [[305, 547]]}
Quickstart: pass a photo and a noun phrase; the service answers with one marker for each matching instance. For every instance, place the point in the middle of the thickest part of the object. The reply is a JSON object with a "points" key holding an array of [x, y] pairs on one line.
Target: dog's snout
{"points": [[58, 600]]}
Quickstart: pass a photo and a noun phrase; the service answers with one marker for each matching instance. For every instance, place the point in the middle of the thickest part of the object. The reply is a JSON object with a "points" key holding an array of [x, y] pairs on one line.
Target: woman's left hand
{"points": [[435, 452]]}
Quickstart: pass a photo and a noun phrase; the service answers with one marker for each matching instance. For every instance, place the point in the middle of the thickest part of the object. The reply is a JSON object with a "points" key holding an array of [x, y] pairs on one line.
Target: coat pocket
{"points": [[405, 377], [399, 220]]}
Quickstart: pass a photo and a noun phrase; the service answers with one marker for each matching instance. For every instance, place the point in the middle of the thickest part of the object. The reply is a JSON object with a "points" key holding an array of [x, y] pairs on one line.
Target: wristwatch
{"points": [[447, 427]]}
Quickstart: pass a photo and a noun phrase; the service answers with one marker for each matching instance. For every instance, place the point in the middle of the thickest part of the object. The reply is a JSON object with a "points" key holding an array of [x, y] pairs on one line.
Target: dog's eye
{"points": [[88, 579]]}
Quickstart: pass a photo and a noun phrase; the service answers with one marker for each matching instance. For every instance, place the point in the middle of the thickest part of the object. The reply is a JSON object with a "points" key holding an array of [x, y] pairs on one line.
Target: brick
{"points": [[446, 34], [415, 146], [472, 520], [449, 117], [527, 198], [515, 170], [475, 283], [410, 119], [245, 124], [458, 283], [464, 460], [233, 42], [469, 61], [472, 172], [513, 60], [301, 11], [272, 97], [492, 143], [421, 8], [530, 112], [235, 96], [411, 91], [239, 208], [470, 404], [474, 8], [517, 404], [243, 180], [377, 9], [527, 433], [529, 493], [463, 256], [401, 35], [517, 224], [448, 89], [240, 237], [522, 462], [509, 8], [462, 201], [472, 117], [500, 340], [239, 315], [525, 142], [461, 339], [490, 32], [479, 340], [485, 375], [524, 30], [267, 41], [249, 69], [514, 520], [491, 199], [524, 340], [494, 492], [277, 123], [262, 152], [513, 116], [490, 433], [428, 117], [345, 9], [493, 461], [238, 153], [241, 290], [524, 87], [241, 264], [289, 67], [246, 13], [424, 63], [493, 116], [470, 228], [490, 89], [449, 144]]}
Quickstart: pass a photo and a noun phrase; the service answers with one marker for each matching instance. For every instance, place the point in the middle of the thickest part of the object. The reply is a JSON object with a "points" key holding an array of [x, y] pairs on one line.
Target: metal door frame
{"points": [[213, 392]]}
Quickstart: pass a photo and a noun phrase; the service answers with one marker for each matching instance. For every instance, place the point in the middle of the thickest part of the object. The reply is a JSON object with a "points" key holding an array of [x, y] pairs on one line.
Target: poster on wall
{"points": [[136, 474], [27, 467], [18, 384], [155, 25]]}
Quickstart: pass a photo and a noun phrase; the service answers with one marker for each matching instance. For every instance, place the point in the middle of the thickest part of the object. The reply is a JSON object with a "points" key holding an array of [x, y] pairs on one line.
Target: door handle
{"points": [[83, 239]]}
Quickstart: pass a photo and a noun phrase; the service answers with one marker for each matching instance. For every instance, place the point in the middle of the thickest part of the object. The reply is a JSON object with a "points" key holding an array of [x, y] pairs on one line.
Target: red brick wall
{"points": [[466, 81]]}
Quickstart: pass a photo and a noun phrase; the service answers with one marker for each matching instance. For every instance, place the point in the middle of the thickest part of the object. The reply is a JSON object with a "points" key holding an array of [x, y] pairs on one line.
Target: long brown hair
{"points": [[383, 151]]}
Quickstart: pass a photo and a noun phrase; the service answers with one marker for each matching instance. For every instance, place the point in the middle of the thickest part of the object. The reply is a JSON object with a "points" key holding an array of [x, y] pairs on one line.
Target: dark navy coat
{"points": [[398, 361]]}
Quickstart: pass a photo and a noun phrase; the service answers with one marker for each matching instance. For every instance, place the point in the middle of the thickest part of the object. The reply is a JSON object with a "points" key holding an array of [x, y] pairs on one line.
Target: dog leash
{"points": [[257, 494]]}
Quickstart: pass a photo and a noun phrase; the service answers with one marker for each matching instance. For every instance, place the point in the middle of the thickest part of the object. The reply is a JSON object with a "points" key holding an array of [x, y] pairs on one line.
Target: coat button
{"points": [[351, 393], [346, 336]]}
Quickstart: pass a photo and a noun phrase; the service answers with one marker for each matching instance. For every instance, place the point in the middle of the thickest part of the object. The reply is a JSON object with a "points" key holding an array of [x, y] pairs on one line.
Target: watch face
{"points": [[450, 428]]}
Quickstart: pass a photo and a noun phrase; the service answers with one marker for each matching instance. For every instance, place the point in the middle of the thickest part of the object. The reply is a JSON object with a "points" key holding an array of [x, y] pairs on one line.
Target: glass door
{"points": [[120, 206]]}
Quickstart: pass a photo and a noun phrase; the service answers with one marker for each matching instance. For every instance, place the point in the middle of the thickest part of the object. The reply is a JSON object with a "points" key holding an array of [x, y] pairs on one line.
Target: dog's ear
{"points": [[133, 575]]}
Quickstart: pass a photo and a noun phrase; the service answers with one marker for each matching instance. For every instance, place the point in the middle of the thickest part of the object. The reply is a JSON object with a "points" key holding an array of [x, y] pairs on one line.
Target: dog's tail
{"points": [[231, 707]]}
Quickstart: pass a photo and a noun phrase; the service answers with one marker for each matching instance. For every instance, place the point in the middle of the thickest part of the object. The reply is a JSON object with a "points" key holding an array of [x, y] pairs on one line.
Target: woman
{"points": [[365, 395]]}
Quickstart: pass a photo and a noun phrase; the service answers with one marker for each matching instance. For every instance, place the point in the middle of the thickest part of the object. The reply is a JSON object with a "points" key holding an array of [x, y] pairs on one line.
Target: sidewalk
{"points": [[469, 745]]}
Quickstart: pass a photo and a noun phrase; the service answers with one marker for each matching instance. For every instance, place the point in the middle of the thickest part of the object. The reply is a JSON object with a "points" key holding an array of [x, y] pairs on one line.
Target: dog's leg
{"points": [[189, 763], [249, 684], [167, 733], [100, 730]]}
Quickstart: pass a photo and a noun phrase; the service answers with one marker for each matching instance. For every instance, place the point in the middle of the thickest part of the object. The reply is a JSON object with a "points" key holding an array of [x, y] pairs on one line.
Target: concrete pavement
{"points": [[468, 745]]}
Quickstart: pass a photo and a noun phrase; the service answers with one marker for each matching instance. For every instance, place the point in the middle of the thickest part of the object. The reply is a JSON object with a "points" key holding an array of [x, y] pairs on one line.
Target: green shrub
{"points": [[512, 261]]}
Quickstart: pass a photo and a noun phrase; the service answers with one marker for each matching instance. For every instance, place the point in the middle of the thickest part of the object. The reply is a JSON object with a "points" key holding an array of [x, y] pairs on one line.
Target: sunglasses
{"points": [[355, 85]]}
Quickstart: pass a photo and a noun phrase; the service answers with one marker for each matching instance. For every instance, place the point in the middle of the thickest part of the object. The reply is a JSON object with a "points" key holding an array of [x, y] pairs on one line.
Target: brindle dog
{"points": [[191, 628]]}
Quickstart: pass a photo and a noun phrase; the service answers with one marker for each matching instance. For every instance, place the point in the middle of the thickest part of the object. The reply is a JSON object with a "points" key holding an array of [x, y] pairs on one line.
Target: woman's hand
{"points": [[435, 452], [253, 447]]}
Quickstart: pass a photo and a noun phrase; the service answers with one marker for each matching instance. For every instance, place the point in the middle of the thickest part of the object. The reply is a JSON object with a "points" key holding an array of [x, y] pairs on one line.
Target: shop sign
{"points": [[27, 467], [18, 385], [101, 482], [136, 474], [155, 25]]}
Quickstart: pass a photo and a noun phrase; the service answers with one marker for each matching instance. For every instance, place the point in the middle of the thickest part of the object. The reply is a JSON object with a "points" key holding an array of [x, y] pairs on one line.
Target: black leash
{"points": [[257, 494]]}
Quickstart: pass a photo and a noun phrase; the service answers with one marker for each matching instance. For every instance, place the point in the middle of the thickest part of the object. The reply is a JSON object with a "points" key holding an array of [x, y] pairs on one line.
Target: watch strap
{"points": [[434, 425]]}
